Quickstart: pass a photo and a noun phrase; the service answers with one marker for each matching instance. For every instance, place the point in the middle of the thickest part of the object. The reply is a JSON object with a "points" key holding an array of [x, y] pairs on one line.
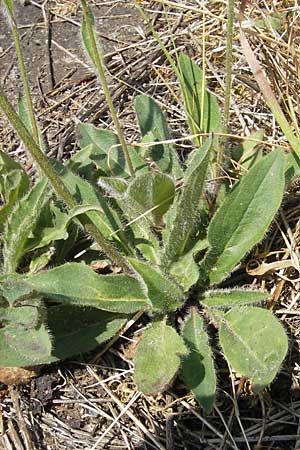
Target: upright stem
{"points": [[229, 40], [99, 63], [33, 123], [46, 168]]}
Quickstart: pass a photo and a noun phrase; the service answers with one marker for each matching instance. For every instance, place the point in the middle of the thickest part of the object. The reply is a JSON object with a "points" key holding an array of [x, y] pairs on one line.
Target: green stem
{"points": [[46, 168], [22, 68], [229, 40], [99, 63]]}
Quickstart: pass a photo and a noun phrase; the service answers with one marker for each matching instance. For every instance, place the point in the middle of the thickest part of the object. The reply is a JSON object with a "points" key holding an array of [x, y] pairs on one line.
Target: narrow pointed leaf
{"points": [[188, 205], [157, 358], [14, 183], [245, 215], [218, 298], [153, 125], [254, 343], [85, 35], [198, 366], [21, 223], [191, 81], [164, 294], [77, 284]]}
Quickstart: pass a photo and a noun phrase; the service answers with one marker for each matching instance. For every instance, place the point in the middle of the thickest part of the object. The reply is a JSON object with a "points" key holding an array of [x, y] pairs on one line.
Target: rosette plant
{"points": [[149, 213]]}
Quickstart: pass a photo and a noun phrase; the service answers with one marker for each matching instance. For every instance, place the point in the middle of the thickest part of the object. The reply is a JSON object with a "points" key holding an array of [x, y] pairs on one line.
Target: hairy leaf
{"points": [[107, 153], [14, 183], [73, 330], [193, 88], [185, 270], [198, 366], [108, 221], [188, 205], [218, 298], [154, 127], [21, 223], [150, 194], [245, 215], [77, 284], [254, 343], [164, 293], [157, 358]]}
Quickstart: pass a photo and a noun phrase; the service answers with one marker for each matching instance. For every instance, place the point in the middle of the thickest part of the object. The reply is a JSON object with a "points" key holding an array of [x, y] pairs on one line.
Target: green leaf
{"points": [[254, 343], [14, 289], [106, 151], [77, 284], [157, 358], [150, 194], [21, 223], [113, 186], [192, 84], [198, 366], [245, 215], [108, 221], [164, 294], [14, 183], [185, 270], [145, 241], [34, 344], [154, 128], [9, 4], [188, 205], [85, 35], [81, 163], [249, 151], [59, 230], [219, 298], [73, 330]]}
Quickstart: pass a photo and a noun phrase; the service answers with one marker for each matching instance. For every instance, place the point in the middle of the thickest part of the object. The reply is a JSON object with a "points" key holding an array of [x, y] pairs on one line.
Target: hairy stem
{"points": [[27, 93], [46, 168], [229, 39], [99, 63]]}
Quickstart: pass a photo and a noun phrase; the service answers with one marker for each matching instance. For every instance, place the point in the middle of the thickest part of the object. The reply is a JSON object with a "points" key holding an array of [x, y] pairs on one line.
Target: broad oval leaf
{"points": [[244, 217], [157, 358], [33, 344], [254, 343], [222, 298], [149, 195], [77, 284], [73, 330], [164, 294], [198, 366], [106, 151]]}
